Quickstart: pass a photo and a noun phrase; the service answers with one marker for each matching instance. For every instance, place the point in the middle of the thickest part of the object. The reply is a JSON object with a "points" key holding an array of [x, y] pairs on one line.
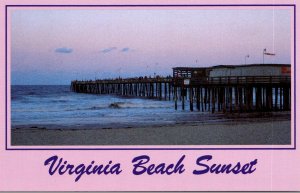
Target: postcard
{"points": [[149, 95]]}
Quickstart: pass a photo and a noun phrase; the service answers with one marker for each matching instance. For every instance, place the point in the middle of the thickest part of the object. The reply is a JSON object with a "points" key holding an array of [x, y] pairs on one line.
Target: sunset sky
{"points": [[57, 46]]}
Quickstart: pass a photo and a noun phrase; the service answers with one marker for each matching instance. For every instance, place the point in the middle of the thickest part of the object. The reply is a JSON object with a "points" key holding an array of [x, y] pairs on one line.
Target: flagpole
{"points": [[267, 53], [247, 56], [264, 55]]}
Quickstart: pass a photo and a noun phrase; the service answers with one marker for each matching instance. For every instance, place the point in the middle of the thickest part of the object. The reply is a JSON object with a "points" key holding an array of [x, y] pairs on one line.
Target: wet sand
{"points": [[245, 131]]}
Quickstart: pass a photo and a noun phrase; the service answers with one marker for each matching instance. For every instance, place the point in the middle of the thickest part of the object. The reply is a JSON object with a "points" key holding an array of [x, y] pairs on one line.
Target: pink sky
{"points": [[57, 46]]}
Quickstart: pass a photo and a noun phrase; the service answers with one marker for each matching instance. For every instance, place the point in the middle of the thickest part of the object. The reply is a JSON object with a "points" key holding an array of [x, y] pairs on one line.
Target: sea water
{"points": [[57, 105]]}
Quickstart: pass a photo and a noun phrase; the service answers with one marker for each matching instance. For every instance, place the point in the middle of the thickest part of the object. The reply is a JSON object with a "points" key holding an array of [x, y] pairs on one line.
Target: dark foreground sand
{"points": [[242, 132]]}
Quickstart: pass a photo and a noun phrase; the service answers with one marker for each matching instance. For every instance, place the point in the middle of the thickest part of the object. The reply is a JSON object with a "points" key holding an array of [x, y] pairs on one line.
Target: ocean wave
{"points": [[85, 108], [35, 110], [59, 101], [96, 108], [18, 97], [136, 105], [116, 105], [31, 93]]}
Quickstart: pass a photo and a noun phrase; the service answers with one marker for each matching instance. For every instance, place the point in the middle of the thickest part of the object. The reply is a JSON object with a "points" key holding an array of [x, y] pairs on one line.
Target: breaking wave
{"points": [[117, 105]]}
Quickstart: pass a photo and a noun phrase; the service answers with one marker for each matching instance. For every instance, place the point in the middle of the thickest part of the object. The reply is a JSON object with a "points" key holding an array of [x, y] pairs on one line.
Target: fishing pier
{"points": [[152, 88], [224, 88]]}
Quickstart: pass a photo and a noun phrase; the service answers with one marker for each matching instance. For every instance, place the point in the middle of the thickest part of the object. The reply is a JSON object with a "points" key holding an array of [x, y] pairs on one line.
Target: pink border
{"points": [[9, 147], [24, 170]]}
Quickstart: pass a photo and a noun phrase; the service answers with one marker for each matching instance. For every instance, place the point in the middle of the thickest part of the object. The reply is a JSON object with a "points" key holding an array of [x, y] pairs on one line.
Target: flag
{"points": [[269, 54]]}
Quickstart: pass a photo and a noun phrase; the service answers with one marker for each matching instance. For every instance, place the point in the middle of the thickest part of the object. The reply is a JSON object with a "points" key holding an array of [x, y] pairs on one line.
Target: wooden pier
{"points": [[202, 93], [226, 94], [234, 94], [152, 88]]}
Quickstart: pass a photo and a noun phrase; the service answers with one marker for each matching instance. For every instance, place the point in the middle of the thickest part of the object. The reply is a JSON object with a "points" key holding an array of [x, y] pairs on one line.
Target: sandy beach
{"points": [[244, 131]]}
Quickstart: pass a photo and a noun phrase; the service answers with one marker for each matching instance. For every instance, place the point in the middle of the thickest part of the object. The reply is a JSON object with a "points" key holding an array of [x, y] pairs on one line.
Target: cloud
{"points": [[125, 50], [106, 50], [64, 50]]}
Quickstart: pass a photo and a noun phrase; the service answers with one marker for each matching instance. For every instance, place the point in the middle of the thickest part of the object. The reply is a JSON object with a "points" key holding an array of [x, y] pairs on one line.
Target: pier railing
{"points": [[224, 80], [234, 80], [126, 80], [227, 93]]}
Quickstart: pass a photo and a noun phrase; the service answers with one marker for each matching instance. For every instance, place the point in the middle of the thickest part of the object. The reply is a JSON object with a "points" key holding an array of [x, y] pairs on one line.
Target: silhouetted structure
{"points": [[224, 88]]}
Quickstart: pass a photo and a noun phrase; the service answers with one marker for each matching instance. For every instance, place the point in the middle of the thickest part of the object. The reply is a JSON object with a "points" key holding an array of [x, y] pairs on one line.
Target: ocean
{"points": [[57, 106]]}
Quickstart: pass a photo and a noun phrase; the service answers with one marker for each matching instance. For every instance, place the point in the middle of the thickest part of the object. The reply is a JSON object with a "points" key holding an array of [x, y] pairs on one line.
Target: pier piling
{"points": [[225, 93]]}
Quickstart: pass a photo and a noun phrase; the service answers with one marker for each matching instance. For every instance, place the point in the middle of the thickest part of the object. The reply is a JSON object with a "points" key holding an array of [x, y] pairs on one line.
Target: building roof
{"points": [[251, 65], [230, 66], [190, 68]]}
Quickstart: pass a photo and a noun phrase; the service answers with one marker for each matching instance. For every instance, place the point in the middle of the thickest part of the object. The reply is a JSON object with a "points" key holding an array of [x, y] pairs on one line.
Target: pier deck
{"points": [[223, 94]]}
